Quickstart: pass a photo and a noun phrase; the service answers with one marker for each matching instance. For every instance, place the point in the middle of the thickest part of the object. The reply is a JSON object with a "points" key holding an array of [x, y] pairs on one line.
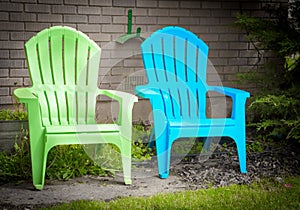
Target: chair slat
{"points": [[44, 57], [159, 64], [92, 84], [193, 103], [167, 103], [92, 79], [71, 107], [201, 66], [91, 107], [33, 61], [70, 46], [81, 107], [43, 106], [83, 52], [176, 103], [62, 107], [82, 61], [179, 56], [93, 65], [168, 45], [149, 63], [201, 97], [52, 106], [191, 61], [56, 48], [184, 101]]}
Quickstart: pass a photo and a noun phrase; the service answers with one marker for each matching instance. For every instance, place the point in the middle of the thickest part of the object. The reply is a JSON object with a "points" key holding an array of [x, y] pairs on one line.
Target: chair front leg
{"points": [[240, 140], [163, 152], [126, 160]]}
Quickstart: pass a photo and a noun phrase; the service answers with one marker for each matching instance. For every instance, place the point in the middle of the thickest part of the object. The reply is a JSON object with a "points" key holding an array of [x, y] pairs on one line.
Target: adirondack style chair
{"points": [[175, 62], [63, 65]]}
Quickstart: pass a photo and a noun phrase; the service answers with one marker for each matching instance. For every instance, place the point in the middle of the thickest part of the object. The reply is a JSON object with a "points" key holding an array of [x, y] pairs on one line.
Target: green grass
{"points": [[263, 195]]}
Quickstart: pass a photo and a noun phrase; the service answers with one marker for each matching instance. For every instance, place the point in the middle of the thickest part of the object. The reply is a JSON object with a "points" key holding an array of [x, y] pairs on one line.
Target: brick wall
{"points": [[105, 20]]}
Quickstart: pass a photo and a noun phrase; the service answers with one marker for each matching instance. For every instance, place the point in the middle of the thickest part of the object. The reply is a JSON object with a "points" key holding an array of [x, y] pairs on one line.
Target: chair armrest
{"points": [[238, 99], [24, 95], [119, 95], [232, 92], [126, 102], [153, 94], [145, 91], [157, 103]]}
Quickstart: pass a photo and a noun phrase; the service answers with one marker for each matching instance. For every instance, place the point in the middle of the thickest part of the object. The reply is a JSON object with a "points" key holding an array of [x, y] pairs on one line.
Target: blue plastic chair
{"points": [[175, 61]]}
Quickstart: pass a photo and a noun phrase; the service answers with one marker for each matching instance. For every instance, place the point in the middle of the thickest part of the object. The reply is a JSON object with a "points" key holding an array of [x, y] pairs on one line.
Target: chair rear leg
{"points": [[151, 142], [163, 152], [206, 150], [206, 143]]}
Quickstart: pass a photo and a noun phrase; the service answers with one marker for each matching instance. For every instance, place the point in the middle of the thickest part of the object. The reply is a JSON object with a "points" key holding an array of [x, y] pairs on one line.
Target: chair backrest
{"points": [[63, 65], [175, 61]]}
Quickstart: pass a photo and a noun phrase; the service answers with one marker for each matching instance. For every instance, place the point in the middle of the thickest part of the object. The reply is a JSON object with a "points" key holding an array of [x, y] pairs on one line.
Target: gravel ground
{"points": [[221, 169]]}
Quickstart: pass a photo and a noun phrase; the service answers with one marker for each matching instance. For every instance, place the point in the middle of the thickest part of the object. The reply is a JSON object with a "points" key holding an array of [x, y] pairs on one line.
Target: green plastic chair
{"points": [[63, 65]]}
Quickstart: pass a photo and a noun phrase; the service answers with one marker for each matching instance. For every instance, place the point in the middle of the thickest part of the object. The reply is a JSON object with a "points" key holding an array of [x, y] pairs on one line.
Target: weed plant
{"points": [[66, 161]]}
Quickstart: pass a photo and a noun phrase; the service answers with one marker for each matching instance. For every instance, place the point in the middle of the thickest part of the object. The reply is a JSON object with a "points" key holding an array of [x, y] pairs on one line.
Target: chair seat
{"points": [[84, 128], [210, 122]]}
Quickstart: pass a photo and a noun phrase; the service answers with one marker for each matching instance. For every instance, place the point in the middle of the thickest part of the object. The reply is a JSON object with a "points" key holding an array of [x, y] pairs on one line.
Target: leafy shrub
{"points": [[275, 110], [275, 107], [7, 114], [276, 116], [279, 33]]}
